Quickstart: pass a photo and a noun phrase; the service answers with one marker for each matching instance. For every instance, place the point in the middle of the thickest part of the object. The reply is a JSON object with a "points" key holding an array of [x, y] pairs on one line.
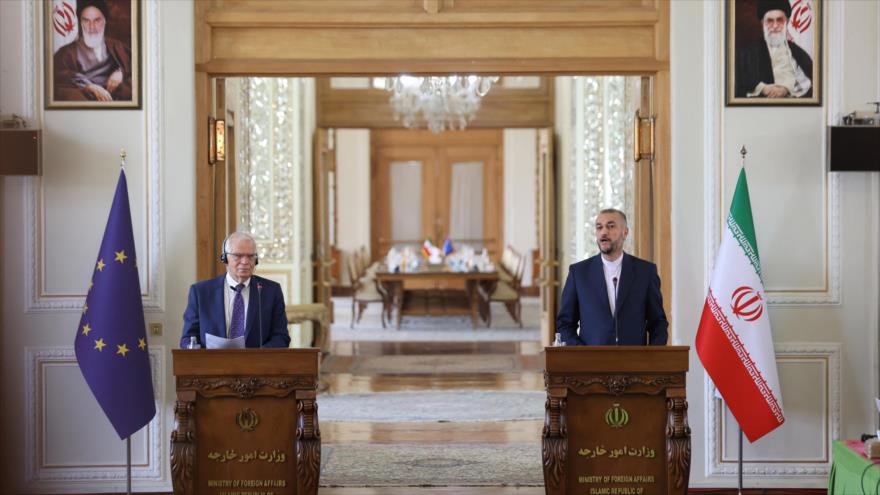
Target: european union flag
{"points": [[447, 247], [111, 343]]}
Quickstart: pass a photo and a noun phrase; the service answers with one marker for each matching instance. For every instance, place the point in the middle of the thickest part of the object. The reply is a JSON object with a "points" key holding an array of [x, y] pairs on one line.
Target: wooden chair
{"points": [[508, 264], [507, 290], [317, 314], [367, 268], [363, 292]]}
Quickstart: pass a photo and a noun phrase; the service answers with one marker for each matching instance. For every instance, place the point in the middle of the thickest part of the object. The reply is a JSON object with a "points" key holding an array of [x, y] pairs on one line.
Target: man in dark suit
{"points": [[237, 303], [613, 298], [773, 67]]}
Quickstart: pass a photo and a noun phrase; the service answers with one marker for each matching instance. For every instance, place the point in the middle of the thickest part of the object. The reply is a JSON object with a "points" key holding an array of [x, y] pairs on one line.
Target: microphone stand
{"points": [[260, 310], [614, 316]]}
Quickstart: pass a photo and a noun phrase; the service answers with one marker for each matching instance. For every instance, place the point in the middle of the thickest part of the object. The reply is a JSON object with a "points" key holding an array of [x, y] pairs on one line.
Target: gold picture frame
{"points": [[793, 29], [98, 67]]}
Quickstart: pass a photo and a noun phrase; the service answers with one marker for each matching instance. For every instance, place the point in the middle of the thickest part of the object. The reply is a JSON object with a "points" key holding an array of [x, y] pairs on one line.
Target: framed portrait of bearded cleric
{"points": [[92, 54], [774, 52]]}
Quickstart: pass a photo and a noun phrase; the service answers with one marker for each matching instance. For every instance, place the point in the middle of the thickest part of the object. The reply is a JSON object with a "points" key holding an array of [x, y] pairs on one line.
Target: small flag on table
{"points": [[447, 247], [111, 342]]}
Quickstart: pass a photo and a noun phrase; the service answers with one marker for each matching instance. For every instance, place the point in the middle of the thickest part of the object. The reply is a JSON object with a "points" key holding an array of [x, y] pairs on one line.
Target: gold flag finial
{"points": [[122, 155]]}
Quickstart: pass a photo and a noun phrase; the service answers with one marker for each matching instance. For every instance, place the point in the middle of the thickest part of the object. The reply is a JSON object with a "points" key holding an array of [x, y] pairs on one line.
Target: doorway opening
{"points": [[330, 207]]}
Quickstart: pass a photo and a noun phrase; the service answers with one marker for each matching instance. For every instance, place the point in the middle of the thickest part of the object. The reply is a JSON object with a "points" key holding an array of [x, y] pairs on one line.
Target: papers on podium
{"points": [[215, 342]]}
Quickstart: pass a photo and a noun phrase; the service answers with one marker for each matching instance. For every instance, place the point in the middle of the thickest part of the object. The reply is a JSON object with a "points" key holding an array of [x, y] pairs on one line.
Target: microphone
{"points": [[614, 316], [260, 310]]}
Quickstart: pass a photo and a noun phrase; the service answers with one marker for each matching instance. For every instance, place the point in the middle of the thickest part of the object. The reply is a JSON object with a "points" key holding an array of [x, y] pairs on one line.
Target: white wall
{"points": [[563, 156], [817, 236], [52, 228], [520, 223], [353, 193]]}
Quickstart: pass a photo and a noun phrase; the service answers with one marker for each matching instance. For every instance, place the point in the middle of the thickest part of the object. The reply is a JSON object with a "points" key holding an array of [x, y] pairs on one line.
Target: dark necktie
{"points": [[236, 323], [614, 302]]}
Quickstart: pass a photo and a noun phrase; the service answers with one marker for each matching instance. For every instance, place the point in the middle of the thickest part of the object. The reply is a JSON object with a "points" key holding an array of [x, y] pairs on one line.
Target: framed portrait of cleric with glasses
{"points": [[92, 54], [774, 52]]}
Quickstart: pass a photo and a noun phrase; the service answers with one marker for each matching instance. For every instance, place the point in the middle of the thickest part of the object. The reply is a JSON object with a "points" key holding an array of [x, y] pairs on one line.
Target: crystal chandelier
{"points": [[444, 102]]}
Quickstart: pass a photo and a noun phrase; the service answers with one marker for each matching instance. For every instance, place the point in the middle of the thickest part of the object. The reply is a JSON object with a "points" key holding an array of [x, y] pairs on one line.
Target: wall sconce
{"points": [[216, 140]]}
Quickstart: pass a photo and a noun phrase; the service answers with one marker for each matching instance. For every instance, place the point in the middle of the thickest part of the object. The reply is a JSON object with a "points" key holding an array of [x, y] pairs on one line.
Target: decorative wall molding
{"points": [[40, 476], [714, 160], [29, 54], [155, 298], [37, 299], [285, 245], [778, 469], [713, 19]]}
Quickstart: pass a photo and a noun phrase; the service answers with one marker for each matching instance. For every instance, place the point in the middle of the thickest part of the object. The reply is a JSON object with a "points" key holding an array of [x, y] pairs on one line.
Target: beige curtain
{"points": [[466, 203]]}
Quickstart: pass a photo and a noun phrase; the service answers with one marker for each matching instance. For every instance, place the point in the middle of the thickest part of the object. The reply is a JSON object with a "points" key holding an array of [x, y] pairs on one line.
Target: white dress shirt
{"points": [[612, 278], [229, 298]]}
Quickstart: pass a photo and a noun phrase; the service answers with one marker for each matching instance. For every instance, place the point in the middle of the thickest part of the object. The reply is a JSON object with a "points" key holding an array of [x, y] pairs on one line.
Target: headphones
{"points": [[224, 255]]}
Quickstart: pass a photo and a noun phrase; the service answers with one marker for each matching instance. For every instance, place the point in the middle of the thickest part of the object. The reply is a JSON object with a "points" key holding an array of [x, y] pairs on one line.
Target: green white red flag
{"points": [[734, 341]]}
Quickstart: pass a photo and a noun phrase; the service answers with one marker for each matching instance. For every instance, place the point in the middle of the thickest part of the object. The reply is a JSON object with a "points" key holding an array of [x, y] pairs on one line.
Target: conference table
{"points": [[851, 471], [435, 290]]}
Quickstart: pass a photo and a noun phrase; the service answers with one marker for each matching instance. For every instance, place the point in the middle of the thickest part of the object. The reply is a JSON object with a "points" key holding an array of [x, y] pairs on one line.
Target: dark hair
{"points": [[765, 6], [98, 4], [615, 210]]}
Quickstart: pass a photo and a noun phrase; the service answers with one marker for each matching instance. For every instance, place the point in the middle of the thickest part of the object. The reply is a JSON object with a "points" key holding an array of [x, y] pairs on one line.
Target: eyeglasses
{"points": [[241, 256]]}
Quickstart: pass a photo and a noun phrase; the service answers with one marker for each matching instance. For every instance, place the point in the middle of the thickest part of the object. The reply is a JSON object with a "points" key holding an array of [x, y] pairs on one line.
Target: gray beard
{"points": [[774, 39], [93, 41]]}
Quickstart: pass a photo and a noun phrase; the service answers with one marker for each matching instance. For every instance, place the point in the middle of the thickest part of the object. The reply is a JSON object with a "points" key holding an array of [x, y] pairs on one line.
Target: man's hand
{"points": [[114, 80], [774, 91], [99, 93]]}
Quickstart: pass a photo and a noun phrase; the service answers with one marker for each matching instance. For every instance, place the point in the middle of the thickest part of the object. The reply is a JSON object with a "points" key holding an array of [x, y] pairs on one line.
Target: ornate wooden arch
{"points": [[366, 37]]}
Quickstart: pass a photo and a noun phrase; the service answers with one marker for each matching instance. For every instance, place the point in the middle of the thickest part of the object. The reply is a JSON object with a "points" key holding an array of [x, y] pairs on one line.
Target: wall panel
{"points": [[82, 147], [70, 440], [809, 376]]}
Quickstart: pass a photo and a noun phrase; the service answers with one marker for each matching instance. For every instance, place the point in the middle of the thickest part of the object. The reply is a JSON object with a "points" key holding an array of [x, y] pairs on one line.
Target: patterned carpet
{"points": [[425, 364], [354, 465], [432, 406], [435, 328]]}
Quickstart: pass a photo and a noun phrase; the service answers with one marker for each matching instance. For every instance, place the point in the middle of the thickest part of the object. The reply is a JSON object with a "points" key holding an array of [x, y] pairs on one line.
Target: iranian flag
{"points": [[734, 340]]}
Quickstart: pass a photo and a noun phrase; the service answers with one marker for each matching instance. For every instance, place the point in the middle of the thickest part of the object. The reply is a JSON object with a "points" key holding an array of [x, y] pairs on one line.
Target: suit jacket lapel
{"points": [[627, 275], [220, 309], [253, 308], [597, 282]]}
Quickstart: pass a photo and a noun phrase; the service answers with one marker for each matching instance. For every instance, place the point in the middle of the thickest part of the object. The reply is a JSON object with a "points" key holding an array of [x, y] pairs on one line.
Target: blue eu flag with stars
{"points": [[111, 343]]}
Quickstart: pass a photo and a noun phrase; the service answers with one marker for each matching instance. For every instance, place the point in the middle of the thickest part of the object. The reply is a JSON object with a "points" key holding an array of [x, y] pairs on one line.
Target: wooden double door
{"points": [[437, 186]]}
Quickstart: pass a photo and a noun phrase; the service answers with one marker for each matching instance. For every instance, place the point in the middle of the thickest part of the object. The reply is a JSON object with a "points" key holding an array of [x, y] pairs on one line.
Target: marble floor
{"points": [[339, 378]]}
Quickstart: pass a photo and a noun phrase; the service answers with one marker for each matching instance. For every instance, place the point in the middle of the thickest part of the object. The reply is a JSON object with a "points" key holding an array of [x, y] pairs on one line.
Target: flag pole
{"points": [[122, 156], [743, 153], [128, 464], [740, 488]]}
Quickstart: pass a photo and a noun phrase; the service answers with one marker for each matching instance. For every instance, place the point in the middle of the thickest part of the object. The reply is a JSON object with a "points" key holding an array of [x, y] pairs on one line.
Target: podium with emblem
{"points": [[616, 421], [246, 421]]}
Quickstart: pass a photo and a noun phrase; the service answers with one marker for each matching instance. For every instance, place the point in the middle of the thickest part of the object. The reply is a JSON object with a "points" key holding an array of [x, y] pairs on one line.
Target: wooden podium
{"points": [[616, 421], [246, 422]]}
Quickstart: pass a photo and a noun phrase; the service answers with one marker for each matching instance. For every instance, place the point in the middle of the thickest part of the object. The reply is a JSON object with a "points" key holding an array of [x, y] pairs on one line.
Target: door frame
{"points": [[353, 37]]}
